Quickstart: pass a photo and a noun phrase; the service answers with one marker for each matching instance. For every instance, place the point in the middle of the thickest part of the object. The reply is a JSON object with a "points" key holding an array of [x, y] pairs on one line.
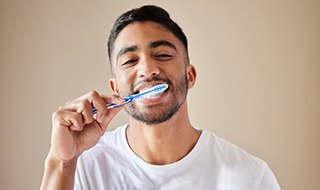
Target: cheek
{"points": [[178, 73], [125, 83]]}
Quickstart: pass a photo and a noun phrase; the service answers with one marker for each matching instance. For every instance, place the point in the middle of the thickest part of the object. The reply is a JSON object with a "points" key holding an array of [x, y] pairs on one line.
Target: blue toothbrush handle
{"points": [[130, 98], [110, 106]]}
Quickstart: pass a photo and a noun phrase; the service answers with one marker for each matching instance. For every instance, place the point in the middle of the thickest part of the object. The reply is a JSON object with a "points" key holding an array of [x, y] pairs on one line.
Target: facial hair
{"points": [[161, 113]]}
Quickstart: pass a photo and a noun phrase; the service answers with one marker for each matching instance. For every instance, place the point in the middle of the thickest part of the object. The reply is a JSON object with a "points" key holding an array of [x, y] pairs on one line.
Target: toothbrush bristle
{"points": [[154, 90], [161, 87]]}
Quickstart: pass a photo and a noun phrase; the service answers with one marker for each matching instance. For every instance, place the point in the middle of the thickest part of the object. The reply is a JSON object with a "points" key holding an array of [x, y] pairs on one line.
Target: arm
{"points": [[74, 130], [58, 174]]}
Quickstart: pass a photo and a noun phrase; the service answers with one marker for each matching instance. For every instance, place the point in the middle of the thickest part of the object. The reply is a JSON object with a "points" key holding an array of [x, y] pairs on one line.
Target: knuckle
{"points": [[78, 117], [56, 114], [57, 118], [68, 102], [93, 94], [90, 119], [84, 104]]}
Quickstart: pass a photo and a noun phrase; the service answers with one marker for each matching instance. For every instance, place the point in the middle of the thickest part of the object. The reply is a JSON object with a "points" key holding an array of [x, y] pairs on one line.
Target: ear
{"points": [[113, 86], [191, 75]]}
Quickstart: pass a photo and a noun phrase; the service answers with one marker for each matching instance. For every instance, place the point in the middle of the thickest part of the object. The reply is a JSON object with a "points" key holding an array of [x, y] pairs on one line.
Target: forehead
{"points": [[141, 34]]}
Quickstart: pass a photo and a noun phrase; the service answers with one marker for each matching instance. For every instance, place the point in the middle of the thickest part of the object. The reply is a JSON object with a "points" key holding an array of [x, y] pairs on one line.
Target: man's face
{"points": [[146, 54]]}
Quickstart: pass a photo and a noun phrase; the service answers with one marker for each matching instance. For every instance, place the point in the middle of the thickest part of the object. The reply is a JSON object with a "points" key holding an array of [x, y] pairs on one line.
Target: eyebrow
{"points": [[152, 45], [126, 50], [158, 43]]}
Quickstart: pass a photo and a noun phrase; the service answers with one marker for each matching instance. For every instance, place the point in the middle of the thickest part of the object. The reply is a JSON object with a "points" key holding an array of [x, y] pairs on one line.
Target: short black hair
{"points": [[146, 13]]}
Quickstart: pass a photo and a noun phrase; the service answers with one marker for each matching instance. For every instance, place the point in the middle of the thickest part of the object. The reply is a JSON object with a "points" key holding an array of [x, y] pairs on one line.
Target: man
{"points": [[159, 148]]}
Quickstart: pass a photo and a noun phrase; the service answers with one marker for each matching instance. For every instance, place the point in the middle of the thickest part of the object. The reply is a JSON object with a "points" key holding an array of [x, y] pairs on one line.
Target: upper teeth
{"points": [[143, 90], [152, 95]]}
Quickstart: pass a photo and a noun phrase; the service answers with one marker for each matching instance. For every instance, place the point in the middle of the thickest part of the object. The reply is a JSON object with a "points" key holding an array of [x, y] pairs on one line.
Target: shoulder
{"points": [[231, 153], [238, 165]]}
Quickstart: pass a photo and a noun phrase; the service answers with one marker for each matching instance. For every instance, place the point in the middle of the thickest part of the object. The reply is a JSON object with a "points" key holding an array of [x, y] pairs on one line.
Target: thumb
{"points": [[106, 118]]}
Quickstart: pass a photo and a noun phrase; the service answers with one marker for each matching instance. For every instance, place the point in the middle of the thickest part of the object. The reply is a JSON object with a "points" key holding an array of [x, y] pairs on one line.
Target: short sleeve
{"points": [[268, 180]]}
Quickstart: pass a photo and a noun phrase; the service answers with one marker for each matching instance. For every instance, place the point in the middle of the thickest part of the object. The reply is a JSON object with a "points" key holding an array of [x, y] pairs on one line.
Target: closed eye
{"points": [[164, 57], [129, 62]]}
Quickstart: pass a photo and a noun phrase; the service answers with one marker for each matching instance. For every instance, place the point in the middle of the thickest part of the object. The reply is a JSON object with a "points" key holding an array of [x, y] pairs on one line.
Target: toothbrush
{"points": [[153, 90]]}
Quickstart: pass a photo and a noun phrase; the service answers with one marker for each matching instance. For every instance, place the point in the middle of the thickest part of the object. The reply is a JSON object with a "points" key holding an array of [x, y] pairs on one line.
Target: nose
{"points": [[148, 68]]}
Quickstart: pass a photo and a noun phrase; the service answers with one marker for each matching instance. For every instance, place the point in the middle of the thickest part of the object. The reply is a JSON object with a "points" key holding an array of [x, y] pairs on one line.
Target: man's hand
{"points": [[74, 130]]}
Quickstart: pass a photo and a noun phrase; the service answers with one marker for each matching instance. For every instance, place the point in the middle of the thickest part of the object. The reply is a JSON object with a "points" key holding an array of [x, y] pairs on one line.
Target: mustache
{"points": [[151, 79]]}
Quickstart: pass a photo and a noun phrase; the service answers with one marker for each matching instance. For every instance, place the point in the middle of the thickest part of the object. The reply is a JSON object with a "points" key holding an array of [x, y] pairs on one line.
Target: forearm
{"points": [[58, 174]]}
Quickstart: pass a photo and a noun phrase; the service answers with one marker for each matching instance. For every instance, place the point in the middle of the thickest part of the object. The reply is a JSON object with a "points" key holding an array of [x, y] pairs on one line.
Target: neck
{"points": [[164, 143]]}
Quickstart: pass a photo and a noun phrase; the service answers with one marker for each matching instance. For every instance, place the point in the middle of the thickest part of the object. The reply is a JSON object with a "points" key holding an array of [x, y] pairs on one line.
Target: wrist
{"points": [[58, 174], [62, 166]]}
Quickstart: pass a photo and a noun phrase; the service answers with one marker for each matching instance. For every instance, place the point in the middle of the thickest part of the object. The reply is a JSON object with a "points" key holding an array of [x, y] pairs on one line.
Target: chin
{"points": [[154, 116]]}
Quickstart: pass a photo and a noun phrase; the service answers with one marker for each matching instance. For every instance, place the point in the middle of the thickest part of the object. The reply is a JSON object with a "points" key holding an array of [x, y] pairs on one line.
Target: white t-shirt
{"points": [[212, 164]]}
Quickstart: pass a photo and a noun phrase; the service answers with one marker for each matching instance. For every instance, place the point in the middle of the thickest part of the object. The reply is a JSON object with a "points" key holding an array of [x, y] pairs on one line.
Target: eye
{"points": [[164, 57], [129, 62]]}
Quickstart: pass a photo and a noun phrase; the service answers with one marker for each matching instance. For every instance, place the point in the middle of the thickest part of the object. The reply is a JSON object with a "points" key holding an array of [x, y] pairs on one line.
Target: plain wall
{"points": [[258, 82]]}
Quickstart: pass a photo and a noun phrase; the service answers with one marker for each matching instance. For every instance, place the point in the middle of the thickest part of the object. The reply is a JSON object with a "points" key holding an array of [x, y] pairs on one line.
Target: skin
{"points": [[144, 63]]}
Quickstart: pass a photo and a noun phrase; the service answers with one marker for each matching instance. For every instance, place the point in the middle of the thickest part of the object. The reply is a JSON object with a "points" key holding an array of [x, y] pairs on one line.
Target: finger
{"points": [[70, 119], [105, 120], [83, 107], [77, 121], [97, 102], [113, 99], [107, 100], [87, 113], [94, 98]]}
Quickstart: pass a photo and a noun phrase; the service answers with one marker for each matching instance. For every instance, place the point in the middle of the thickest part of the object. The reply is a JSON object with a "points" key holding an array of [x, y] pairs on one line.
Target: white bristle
{"points": [[155, 90]]}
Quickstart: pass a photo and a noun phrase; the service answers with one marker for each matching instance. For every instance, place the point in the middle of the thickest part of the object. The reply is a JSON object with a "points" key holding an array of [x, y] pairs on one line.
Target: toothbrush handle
{"points": [[130, 98], [110, 106]]}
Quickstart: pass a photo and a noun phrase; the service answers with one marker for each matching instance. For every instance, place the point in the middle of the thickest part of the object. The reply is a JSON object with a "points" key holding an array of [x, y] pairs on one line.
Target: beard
{"points": [[161, 113]]}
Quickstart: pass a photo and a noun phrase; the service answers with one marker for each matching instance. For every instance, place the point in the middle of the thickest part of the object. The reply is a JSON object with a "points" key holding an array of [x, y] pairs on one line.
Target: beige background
{"points": [[258, 85]]}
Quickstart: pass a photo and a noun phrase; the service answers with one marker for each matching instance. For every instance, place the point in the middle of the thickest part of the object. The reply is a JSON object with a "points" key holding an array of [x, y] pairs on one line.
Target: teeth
{"points": [[143, 90], [152, 95]]}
